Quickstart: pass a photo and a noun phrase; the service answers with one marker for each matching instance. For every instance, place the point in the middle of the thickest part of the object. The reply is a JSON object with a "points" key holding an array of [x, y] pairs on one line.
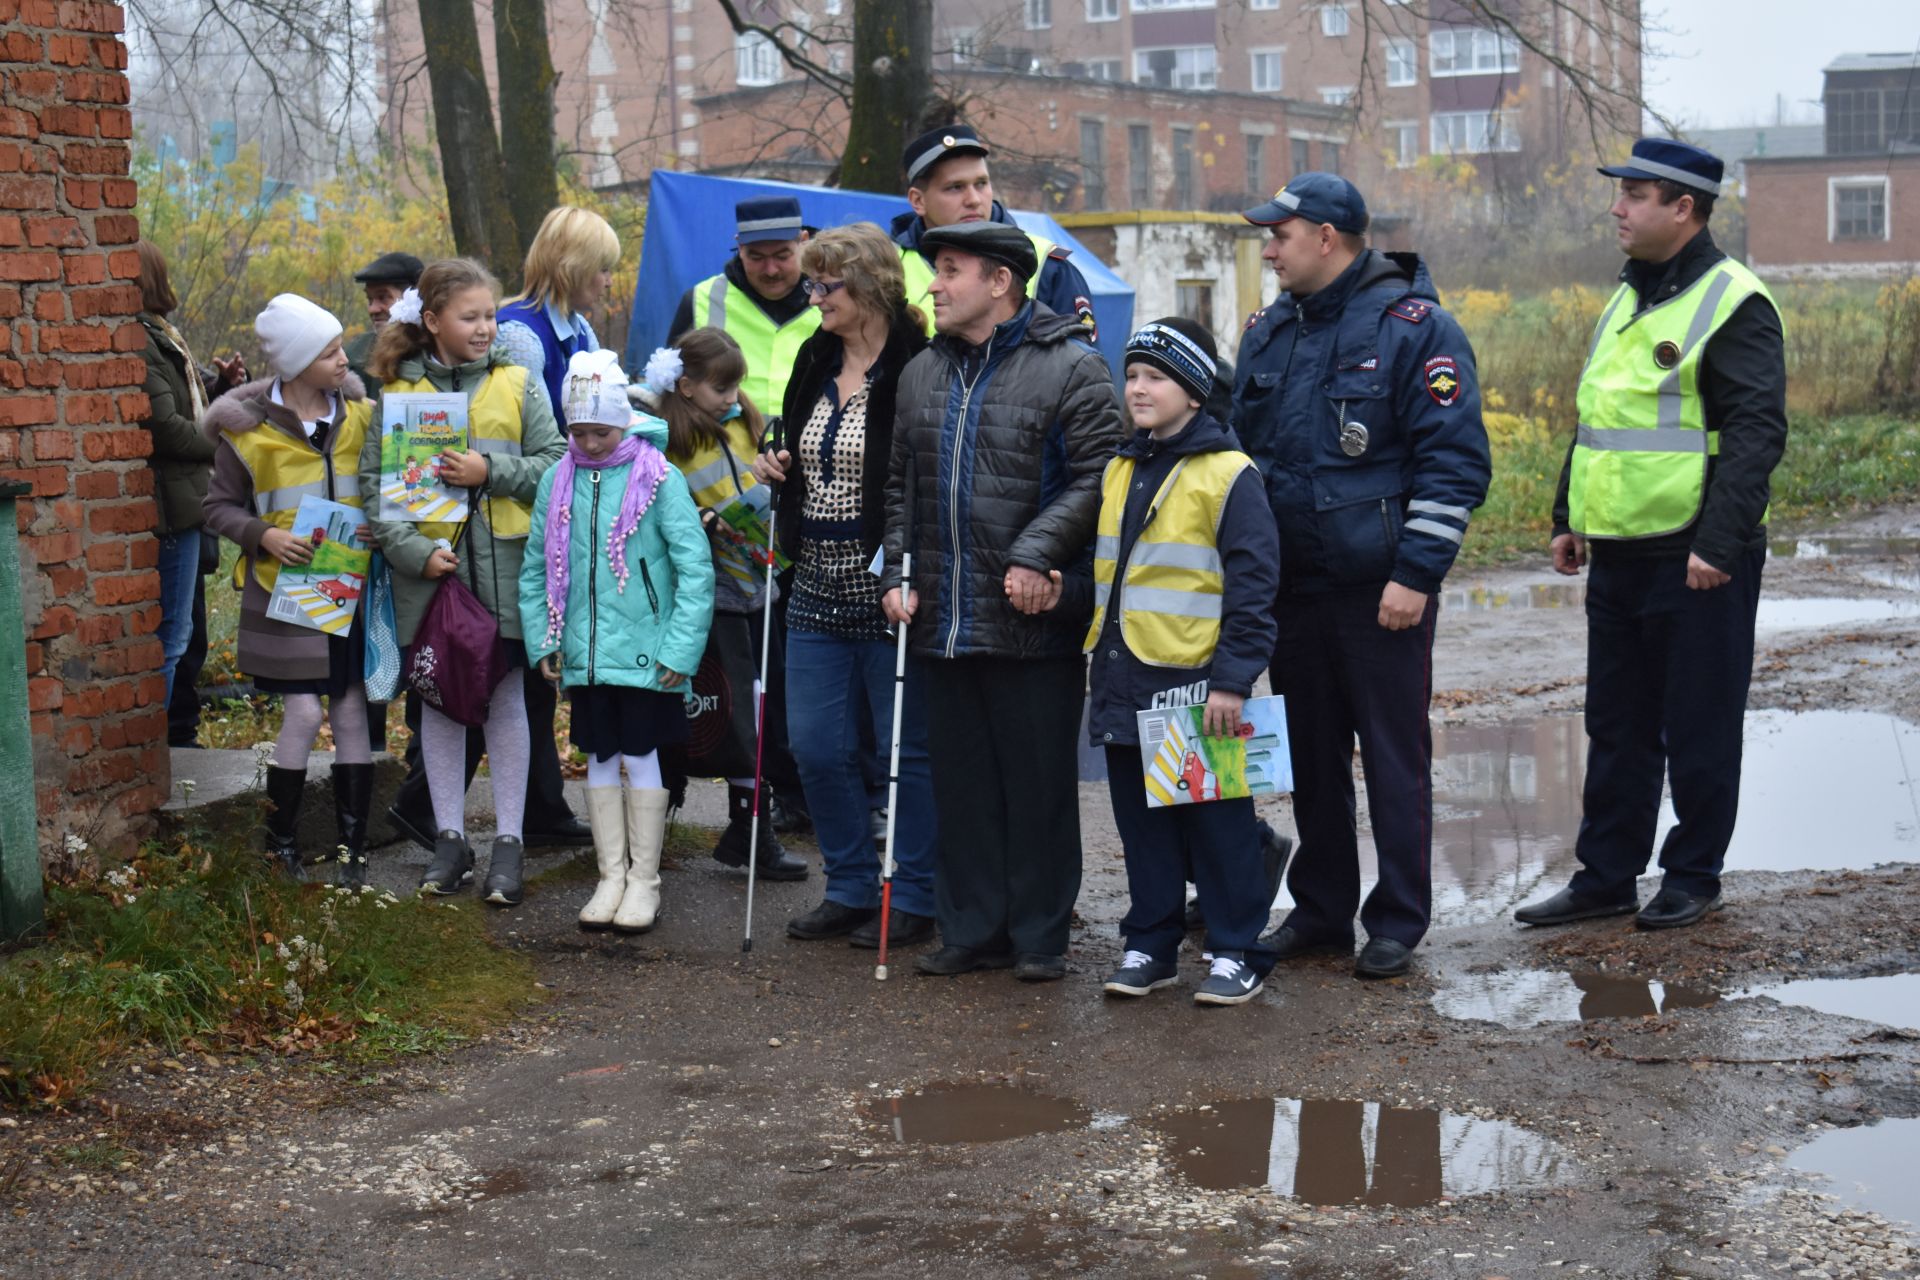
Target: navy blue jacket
{"points": [[1371, 350], [1061, 288], [1250, 569]]}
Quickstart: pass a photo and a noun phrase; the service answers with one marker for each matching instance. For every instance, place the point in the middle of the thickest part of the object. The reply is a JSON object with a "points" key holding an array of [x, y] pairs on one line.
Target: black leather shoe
{"points": [[1567, 906], [1675, 909], [1289, 943], [951, 961], [904, 929], [567, 833], [1383, 958], [420, 831], [829, 920], [1033, 967]]}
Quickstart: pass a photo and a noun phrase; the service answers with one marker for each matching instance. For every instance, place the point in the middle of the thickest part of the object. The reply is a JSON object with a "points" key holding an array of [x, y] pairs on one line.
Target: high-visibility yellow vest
{"points": [[1640, 454], [714, 478], [285, 470], [919, 273], [493, 427], [770, 348], [1171, 597]]}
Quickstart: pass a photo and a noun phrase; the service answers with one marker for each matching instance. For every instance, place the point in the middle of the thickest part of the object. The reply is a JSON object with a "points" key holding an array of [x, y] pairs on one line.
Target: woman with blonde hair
{"points": [[568, 271]]}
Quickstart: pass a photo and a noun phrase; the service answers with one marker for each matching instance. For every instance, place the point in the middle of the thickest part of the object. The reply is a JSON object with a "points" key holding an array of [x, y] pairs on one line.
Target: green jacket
{"points": [[494, 563], [182, 454]]}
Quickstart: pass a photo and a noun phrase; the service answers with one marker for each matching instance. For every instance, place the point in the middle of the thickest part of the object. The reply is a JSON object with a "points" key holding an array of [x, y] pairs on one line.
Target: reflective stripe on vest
{"points": [[493, 428], [1640, 452], [1171, 595], [285, 470], [714, 479], [919, 274], [770, 348]]}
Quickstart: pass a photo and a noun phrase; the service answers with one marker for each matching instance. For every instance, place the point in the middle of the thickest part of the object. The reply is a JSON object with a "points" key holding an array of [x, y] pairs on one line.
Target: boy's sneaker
{"points": [[1230, 982], [1140, 973]]}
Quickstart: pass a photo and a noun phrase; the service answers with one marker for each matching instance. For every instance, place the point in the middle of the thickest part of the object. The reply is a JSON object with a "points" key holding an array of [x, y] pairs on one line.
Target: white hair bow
{"points": [[407, 310], [664, 368]]}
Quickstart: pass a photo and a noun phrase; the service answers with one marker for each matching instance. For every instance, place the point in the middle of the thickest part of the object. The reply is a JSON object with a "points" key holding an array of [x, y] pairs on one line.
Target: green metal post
{"points": [[22, 900]]}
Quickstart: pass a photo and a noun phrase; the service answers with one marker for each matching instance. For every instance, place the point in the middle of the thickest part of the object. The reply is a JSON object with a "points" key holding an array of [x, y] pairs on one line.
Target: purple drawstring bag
{"points": [[457, 656]]}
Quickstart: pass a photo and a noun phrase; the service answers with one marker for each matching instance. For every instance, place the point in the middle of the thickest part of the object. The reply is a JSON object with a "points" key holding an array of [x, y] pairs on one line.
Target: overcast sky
{"points": [[1720, 62]]}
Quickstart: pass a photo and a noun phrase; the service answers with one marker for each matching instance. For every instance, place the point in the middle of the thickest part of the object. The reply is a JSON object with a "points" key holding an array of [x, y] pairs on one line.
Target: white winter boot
{"points": [[606, 815], [646, 833]]}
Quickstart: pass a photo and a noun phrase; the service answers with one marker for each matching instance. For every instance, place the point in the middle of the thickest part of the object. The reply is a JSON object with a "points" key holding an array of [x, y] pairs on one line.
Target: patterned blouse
{"points": [[833, 594]]}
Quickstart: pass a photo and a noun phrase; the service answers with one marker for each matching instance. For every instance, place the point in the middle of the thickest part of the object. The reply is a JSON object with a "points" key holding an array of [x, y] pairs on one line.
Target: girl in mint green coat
{"points": [[616, 591]]}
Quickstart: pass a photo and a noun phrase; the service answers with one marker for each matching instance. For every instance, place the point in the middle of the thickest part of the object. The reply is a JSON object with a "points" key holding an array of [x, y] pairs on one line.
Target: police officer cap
{"points": [[391, 268], [1316, 197], [935, 145], [767, 218], [1657, 158], [995, 241]]}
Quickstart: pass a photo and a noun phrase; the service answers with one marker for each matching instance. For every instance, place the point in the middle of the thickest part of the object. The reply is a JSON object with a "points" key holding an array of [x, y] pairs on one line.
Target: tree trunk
{"points": [[892, 86], [477, 204], [527, 81]]}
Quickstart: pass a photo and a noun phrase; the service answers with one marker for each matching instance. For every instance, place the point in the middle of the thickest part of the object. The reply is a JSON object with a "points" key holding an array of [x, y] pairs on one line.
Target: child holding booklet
{"points": [[1187, 562]]}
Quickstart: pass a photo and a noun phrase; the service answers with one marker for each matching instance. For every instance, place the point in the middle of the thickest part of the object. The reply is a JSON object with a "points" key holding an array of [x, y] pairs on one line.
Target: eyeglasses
{"points": [[821, 288]]}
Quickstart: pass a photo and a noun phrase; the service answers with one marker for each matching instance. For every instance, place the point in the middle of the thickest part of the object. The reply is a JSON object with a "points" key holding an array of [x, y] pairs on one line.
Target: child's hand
{"points": [[1221, 719], [671, 679], [771, 466], [364, 532], [464, 469], [286, 548], [716, 527], [441, 563], [550, 668], [1030, 591]]}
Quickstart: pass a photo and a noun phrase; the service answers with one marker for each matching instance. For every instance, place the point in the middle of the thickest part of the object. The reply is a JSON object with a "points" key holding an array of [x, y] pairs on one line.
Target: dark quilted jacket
{"points": [[1004, 444]]}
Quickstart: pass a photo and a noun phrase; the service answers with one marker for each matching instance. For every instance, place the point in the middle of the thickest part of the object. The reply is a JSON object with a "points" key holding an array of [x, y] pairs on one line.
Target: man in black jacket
{"points": [[1682, 421]]}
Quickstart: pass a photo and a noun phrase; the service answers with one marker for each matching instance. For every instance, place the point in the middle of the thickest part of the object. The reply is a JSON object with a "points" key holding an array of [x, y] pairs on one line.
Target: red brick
{"points": [[36, 657], [15, 123], [18, 46], [143, 622], [130, 337], [82, 193], [98, 629], [44, 693], [145, 655], [126, 588], [39, 13], [115, 300], [52, 446], [94, 485], [83, 157], [49, 306], [64, 580], [116, 371], [9, 306], [122, 517], [26, 411], [85, 703], [91, 15], [13, 375], [70, 121], [123, 264], [137, 483], [92, 86], [56, 233], [115, 122], [13, 232], [105, 557], [111, 54], [55, 548], [56, 621], [45, 374], [77, 739], [35, 84], [25, 193], [85, 410], [118, 193], [29, 266], [75, 337], [134, 407], [85, 268], [143, 553]]}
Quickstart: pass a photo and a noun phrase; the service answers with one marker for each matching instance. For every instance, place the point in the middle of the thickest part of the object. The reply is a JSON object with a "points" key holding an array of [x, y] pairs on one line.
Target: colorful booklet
{"points": [[742, 545], [1183, 766], [324, 593], [416, 427]]}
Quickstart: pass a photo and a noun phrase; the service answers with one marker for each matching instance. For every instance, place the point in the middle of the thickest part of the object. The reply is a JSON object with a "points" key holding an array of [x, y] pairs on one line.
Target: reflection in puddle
{"points": [[1871, 1166], [1338, 1152], [1783, 614], [946, 1113], [1535, 997], [1893, 1001], [1480, 598], [1842, 547]]}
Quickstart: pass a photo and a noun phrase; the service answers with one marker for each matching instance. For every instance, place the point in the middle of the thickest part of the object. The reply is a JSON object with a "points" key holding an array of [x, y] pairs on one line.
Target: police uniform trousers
{"points": [[1667, 675], [1346, 677]]}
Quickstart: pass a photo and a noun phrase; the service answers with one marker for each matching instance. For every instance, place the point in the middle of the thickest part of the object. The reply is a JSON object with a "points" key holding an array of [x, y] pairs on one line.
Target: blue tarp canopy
{"points": [[690, 236]]}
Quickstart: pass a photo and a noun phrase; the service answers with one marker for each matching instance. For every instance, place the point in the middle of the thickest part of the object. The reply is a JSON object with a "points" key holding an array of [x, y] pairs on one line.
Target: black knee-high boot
{"points": [[285, 789]]}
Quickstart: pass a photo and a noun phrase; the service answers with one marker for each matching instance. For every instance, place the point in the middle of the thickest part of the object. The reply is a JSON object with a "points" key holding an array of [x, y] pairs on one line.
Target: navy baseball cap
{"points": [[935, 145], [768, 218], [1657, 158], [1317, 197]]}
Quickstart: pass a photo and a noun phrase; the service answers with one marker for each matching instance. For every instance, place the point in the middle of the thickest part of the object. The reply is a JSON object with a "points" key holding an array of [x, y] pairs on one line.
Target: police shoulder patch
{"points": [[1442, 375], [1412, 310], [1059, 253], [1256, 317]]}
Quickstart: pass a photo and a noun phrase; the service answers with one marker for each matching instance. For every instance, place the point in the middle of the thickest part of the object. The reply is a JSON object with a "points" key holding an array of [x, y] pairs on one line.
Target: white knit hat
{"points": [[293, 332], [595, 390]]}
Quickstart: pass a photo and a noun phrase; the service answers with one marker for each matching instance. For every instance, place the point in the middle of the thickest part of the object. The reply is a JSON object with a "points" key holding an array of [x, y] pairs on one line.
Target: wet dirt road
{"points": [[1589, 1100]]}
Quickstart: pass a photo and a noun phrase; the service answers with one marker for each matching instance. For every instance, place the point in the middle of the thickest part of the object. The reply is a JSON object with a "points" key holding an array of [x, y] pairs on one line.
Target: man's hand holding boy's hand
{"points": [[1031, 591]]}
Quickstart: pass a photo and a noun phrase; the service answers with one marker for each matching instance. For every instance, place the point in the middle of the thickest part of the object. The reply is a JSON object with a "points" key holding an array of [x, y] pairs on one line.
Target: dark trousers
{"points": [[1217, 844], [183, 708], [1006, 789], [1667, 675], [546, 799], [1346, 676]]}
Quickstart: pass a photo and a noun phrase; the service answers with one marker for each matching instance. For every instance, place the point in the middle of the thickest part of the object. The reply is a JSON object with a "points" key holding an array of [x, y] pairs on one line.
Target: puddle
{"points": [[1537, 997], [1843, 547], [1539, 595], [1892, 1001], [1340, 1152], [1871, 1167], [948, 1113], [1829, 612]]}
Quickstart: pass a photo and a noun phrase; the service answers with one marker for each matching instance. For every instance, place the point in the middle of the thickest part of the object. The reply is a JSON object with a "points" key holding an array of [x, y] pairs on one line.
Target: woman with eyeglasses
{"points": [[830, 457]]}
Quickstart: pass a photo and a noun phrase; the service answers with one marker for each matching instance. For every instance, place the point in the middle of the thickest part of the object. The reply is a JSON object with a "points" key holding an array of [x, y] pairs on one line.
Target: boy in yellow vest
{"points": [[1186, 566]]}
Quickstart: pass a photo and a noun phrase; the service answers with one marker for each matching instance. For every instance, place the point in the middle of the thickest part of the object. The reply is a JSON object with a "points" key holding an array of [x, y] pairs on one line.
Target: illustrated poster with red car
{"points": [[324, 594]]}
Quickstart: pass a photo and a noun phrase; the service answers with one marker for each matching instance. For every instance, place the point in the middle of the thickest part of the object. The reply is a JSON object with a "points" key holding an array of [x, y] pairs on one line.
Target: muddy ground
{"points": [[678, 1107]]}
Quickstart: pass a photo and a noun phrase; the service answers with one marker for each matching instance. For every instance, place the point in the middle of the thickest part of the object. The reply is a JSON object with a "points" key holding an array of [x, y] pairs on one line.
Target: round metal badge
{"points": [[1353, 438], [1667, 355]]}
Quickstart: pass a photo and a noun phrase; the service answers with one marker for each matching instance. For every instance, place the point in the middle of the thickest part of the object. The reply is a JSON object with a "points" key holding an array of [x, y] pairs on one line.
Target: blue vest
{"points": [[534, 316]]}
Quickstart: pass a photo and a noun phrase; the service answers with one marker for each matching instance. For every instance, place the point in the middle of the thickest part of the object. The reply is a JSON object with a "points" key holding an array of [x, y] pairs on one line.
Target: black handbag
{"points": [[721, 712]]}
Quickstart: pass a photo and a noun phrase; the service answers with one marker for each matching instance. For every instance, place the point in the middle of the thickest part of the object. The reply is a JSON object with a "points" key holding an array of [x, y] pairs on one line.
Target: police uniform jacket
{"points": [[1362, 408]]}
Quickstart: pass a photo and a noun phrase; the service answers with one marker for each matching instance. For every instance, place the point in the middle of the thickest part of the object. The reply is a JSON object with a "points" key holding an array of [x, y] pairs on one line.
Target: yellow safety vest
{"points": [[770, 348], [1640, 454], [1171, 597], [286, 469], [493, 427], [919, 273], [711, 475]]}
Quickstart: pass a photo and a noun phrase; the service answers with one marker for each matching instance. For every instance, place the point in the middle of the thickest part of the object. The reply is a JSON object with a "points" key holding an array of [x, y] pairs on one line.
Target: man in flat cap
{"points": [[757, 298], [1683, 418], [1004, 426], [384, 279], [948, 185]]}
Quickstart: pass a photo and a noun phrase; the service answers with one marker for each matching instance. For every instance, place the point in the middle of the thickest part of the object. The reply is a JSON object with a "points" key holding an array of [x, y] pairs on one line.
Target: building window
{"points": [[1474, 51], [1267, 76], [755, 60], [1104, 69], [1039, 14], [1330, 156], [837, 59], [1300, 156], [1148, 6], [1403, 143], [1403, 64], [1263, 4], [1182, 167], [1333, 20], [966, 46], [1193, 300], [1336, 95], [1256, 165], [831, 8], [1473, 132], [1192, 67], [1093, 164], [1103, 10], [1857, 209], [1140, 166]]}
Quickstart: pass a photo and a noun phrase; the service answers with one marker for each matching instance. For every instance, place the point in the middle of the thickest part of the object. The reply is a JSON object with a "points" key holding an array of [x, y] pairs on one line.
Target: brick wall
{"points": [[70, 409], [1789, 208]]}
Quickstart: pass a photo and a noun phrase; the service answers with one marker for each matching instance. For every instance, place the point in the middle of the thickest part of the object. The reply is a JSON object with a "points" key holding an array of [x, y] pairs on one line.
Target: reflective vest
{"points": [[1640, 454], [493, 427], [714, 478], [919, 273], [1170, 598], [286, 469], [770, 348]]}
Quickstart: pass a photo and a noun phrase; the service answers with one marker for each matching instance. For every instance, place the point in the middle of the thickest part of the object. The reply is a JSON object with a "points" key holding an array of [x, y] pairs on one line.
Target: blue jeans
{"points": [[830, 683], [179, 573]]}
